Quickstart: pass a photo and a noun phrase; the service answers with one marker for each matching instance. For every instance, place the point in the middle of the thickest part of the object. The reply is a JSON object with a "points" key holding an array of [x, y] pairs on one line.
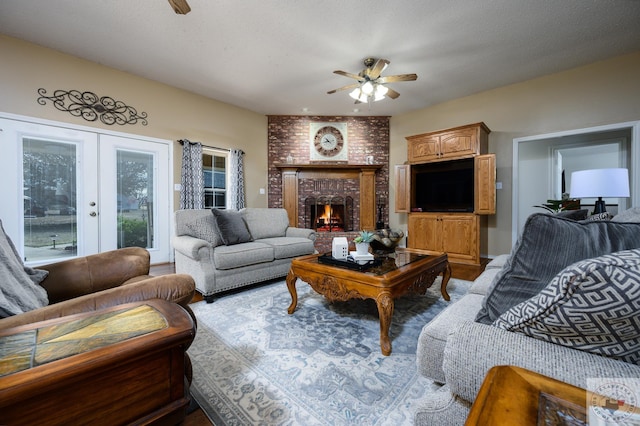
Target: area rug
{"points": [[254, 364]]}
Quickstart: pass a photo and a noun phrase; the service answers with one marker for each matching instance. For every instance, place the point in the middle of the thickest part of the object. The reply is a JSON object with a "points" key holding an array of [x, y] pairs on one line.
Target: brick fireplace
{"points": [[295, 181]]}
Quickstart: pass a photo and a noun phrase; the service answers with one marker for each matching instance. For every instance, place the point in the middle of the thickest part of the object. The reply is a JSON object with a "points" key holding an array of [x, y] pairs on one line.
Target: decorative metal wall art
{"points": [[91, 107]]}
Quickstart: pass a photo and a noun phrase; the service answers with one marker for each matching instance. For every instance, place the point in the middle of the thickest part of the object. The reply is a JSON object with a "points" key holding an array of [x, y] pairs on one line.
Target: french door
{"points": [[74, 192]]}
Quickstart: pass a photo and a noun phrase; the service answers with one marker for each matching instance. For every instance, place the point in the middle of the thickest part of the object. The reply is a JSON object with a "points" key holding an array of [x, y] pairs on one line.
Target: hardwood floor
{"points": [[198, 418]]}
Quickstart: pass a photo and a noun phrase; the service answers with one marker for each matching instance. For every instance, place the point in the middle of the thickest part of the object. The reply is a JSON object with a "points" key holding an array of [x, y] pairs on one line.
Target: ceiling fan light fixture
{"points": [[355, 93], [381, 90], [367, 88]]}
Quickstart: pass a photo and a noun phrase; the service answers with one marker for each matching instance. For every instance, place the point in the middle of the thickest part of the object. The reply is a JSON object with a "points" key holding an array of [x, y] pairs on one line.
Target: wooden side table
{"points": [[120, 365], [512, 396]]}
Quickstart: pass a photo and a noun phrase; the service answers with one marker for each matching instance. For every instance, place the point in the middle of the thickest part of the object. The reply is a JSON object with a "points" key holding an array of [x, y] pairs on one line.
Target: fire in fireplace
{"points": [[329, 213]]}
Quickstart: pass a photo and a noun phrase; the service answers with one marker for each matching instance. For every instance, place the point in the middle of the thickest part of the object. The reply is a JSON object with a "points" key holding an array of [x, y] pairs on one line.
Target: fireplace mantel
{"points": [[327, 166], [366, 173]]}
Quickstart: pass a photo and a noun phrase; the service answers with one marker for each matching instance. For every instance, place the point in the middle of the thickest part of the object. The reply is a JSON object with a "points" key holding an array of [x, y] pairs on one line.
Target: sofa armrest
{"points": [[473, 348], [301, 232], [191, 246], [84, 275], [177, 288]]}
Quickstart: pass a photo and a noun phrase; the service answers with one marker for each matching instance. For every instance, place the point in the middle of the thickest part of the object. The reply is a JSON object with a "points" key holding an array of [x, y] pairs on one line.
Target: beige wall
{"points": [[598, 94], [172, 113]]}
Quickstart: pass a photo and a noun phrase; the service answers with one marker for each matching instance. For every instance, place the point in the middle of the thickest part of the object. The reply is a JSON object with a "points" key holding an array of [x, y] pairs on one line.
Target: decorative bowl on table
{"points": [[386, 240]]}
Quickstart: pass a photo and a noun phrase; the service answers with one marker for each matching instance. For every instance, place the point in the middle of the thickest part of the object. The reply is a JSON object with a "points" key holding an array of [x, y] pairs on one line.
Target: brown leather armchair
{"points": [[103, 280]]}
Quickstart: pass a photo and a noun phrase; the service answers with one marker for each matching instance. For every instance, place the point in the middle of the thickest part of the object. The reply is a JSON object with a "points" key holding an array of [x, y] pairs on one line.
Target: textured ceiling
{"points": [[277, 56]]}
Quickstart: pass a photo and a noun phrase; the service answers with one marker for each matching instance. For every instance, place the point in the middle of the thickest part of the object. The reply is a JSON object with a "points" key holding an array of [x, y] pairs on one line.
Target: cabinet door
{"points": [[460, 235], [424, 232], [403, 188], [459, 143], [485, 184], [423, 148]]}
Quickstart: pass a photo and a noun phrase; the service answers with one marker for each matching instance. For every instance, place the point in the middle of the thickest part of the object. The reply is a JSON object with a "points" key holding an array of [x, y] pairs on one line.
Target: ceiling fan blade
{"points": [[347, 87], [180, 6], [399, 77], [377, 68], [392, 93], [348, 74]]}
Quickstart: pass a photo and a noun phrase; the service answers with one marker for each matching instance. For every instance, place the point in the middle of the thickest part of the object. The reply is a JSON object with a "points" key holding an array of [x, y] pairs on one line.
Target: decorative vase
{"points": [[362, 248]]}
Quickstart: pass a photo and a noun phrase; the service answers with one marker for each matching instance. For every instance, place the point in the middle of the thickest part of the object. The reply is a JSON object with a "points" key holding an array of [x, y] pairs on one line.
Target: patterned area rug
{"points": [[254, 364]]}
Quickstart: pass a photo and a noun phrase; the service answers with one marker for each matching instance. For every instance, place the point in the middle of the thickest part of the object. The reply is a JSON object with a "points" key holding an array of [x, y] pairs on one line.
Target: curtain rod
{"points": [[182, 141]]}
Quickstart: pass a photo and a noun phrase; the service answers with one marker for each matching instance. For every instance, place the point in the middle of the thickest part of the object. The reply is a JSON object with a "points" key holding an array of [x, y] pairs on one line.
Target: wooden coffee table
{"points": [[408, 271]]}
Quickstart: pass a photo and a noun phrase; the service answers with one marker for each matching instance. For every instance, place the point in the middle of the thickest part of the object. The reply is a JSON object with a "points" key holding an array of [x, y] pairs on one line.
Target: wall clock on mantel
{"points": [[328, 142]]}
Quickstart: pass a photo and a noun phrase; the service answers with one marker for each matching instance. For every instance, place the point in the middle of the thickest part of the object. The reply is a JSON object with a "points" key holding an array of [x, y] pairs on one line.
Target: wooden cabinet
{"points": [[403, 188], [463, 236], [457, 234], [459, 142]]}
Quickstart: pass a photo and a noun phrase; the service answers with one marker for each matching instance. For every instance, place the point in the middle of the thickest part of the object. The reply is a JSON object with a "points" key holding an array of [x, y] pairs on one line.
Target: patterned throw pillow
{"points": [[592, 305], [599, 217], [205, 228], [547, 245]]}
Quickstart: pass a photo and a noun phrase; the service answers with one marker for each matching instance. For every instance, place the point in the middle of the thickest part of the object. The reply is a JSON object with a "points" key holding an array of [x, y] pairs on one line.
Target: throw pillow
{"points": [[231, 227], [592, 305], [574, 214], [549, 244], [206, 229], [599, 217], [20, 290], [629, 215]]}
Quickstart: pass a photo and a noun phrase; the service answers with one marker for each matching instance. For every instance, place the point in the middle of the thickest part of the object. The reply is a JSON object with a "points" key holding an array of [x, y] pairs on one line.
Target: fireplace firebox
{"points": [[329, 213]]}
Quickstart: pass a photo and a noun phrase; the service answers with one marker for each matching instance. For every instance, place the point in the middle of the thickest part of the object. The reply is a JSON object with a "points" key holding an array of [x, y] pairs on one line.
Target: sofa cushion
{"points": [[592, 305], [266, 222], [205, 228], [238, 255], [286, 247], [434, 335], [20, 291], [231, 227], [549, 244]]}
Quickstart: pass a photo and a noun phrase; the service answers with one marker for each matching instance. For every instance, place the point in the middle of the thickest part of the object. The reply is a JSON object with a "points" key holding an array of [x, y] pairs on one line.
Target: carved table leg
{"points": [[446, 274], [291, 285], [384, 302]]}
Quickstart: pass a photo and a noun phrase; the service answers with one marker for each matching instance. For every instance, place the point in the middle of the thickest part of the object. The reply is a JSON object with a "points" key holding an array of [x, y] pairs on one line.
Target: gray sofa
{"points": [[223, 250], [457, 350]]}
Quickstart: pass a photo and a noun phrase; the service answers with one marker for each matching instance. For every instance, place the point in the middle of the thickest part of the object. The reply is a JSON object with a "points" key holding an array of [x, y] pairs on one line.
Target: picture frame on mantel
{"points": [[328, 141]]}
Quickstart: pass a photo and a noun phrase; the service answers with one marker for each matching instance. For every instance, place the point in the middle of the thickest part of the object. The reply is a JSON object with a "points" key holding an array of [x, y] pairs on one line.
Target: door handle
{"points": [[93, 214]]}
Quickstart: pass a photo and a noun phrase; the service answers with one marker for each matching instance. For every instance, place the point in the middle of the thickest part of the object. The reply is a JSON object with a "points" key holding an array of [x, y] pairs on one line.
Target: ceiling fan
{"points": [[180, 6], [371, 85]]}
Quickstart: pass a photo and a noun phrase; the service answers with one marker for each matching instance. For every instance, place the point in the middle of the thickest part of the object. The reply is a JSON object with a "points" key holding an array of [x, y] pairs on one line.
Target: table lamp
{"points": [[611, 183]]}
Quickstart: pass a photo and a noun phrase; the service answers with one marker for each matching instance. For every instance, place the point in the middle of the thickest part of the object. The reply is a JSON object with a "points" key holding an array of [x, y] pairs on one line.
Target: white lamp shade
{"points": [[612, 183]]}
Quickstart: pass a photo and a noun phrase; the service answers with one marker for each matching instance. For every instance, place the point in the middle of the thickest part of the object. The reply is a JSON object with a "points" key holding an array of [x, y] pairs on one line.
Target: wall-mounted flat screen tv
{"points": [[443, 186]]}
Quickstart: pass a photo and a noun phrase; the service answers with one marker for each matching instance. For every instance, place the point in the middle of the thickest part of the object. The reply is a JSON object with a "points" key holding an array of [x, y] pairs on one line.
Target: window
{"points": [[214, 169]]}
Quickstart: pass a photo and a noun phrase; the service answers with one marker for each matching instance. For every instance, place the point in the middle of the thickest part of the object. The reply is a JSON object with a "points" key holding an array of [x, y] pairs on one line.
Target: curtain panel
{"points": [[192, 180], [236, 179]]}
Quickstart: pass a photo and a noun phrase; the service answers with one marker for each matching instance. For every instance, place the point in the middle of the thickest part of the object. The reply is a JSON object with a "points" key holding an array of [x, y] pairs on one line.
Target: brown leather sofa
{"points": [[103, 280]]}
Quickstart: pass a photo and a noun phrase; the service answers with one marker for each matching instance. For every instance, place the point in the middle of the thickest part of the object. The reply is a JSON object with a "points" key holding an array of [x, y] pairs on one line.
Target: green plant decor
{"points": [[364, 237]]}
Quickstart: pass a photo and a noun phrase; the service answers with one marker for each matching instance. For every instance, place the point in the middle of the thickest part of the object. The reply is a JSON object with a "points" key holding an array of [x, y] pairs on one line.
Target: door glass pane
{"points": [[135, 199], [49, 185]]}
